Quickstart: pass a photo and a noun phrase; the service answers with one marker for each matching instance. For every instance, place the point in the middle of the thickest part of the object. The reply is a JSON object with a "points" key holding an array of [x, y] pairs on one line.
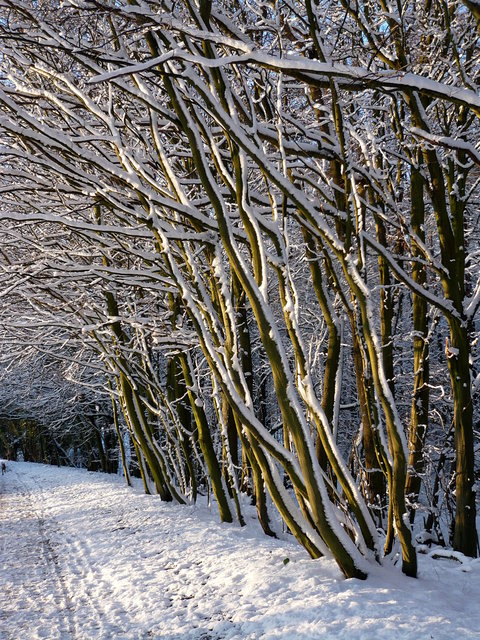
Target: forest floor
{"points": [[83, 557]]}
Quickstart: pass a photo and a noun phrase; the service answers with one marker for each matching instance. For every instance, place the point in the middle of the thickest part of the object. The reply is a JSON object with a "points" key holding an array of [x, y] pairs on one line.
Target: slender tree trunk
{"points": [[121, 444], [206, 443], [332, 360], [176, 392], [449, 216], [458, 355], [421, 391]]}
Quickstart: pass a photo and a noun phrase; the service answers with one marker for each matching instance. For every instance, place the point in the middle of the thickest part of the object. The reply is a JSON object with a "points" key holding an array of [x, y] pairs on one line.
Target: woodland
{"points": [[240, 258]]}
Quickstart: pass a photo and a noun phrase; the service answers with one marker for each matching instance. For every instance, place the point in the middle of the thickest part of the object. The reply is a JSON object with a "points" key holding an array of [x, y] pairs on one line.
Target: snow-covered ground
{"points": [[83, 557]]}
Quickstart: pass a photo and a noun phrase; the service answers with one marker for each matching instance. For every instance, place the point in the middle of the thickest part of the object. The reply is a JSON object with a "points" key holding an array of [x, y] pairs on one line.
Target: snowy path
{"points": [[82, 557]]}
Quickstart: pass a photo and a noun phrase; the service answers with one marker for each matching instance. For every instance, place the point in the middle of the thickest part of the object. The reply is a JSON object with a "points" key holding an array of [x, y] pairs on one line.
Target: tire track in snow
{"points": [[84, 588], [29, 568], [85, 611]]}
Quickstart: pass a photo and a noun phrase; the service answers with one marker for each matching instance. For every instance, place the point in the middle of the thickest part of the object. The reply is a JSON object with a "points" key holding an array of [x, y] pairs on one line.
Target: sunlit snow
{"points": [[84, 557]]}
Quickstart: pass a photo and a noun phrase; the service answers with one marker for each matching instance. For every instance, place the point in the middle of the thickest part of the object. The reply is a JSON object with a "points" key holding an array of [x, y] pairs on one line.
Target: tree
{"points": [[203, 170]]}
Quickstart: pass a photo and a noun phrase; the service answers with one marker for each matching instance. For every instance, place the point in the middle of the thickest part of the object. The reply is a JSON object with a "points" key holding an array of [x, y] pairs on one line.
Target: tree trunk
{"points": [[421, 393]]}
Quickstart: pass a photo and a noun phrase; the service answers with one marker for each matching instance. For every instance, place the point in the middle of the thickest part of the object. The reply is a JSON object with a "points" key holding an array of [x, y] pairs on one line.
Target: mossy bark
{"points": [[421, 391]]}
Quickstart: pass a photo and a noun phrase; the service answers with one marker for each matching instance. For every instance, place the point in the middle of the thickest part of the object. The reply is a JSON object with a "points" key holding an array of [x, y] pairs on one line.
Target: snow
{"points": [[134, 68], [344, 74], [85, 557]]}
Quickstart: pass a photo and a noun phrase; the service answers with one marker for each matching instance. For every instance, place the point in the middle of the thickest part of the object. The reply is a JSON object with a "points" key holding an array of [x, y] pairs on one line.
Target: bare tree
{"points": [[219, 177]]}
